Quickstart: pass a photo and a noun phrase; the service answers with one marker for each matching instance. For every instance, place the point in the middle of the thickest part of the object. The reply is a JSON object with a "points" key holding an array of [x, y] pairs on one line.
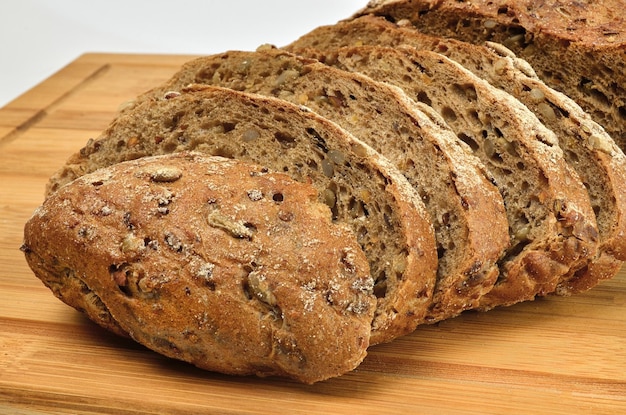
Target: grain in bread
{"points": [[362, 188], [586, 146], [576, 47], [465, 207], [212, 261], [552, 225]]}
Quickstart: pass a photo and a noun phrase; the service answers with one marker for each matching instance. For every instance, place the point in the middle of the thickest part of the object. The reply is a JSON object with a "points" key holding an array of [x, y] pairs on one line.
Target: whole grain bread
{"points": [[465, 207], [576, 47], [552, 225], [361, 187], [586, 146], [270, 285]]}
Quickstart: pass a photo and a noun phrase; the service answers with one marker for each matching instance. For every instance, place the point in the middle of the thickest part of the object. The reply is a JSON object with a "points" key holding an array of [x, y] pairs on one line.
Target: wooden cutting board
{"points": [[553, 355]]}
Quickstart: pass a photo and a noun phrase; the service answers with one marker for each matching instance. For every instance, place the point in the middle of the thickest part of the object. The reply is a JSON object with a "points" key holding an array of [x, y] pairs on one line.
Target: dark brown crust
{"points": [[64, 284], [291, 294], [597, 23], [285, 140]]}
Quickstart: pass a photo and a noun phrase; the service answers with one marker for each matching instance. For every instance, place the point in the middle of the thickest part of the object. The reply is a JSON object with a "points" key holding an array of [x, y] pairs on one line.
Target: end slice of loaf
{"points": [[466, 209], [552, 225], [360, 186], [596, 158], [578, 48], [212, 261]]}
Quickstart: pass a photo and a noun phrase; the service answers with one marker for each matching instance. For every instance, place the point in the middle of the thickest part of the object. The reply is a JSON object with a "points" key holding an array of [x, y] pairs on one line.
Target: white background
{"points": [[39, 37]]}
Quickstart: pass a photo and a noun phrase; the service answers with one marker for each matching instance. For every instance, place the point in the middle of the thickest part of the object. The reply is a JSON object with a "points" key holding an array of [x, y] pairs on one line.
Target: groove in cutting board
{"points": [[43, 112]]}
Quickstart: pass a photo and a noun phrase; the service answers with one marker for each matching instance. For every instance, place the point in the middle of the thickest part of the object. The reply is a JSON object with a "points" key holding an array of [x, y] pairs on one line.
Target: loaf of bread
{"points": [[361, 187], [212, 261], [576, 47], [465, 207], [586, 146], [277, 212]]}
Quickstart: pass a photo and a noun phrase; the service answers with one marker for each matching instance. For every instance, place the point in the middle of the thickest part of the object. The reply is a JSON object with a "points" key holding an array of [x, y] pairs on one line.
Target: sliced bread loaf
{"points": [[578, 48], [587, 147], [465, 207], [552, 224], [362, 188], [212, 261]]}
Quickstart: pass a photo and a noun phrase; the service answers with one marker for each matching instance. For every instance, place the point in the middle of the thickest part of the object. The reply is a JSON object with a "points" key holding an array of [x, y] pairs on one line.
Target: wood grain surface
{"points": [[554, 355]]}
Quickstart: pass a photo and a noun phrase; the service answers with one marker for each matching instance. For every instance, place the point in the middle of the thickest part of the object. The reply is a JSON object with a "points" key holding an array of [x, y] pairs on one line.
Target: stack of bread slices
{"points": [[278, 211]]}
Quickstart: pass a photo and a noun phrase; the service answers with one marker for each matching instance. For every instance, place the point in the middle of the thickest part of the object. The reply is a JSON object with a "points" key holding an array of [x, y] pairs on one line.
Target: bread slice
{"points": [[464, 205], [212, 261], [578, 48], [586, 146], [588, 149], [552, 225], [361, 187]]}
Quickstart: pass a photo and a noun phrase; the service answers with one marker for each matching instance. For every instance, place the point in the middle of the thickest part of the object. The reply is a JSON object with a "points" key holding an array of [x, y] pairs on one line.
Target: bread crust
{"points": [[597, 23], [213, 261], [363, 189]]}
